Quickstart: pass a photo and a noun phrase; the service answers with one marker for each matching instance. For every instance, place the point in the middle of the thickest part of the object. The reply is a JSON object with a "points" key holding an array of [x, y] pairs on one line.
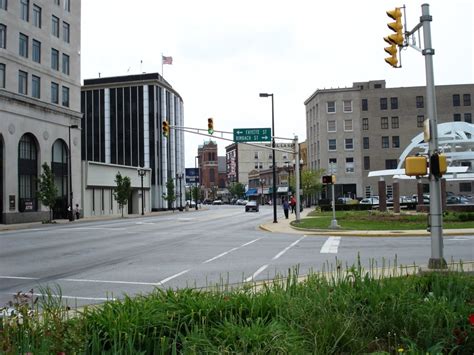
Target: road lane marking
{"points": [[230, 251], [256, 273], [68, 297], [331, 245], [174, 276], [18, 277], [112, 282]]}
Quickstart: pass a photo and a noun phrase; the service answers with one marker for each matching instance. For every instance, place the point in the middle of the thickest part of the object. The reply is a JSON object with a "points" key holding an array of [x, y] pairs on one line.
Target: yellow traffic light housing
{"points": [[438, 165], [210, 125], [392, 60], [165, 128], [396, 39], [416, 166]]}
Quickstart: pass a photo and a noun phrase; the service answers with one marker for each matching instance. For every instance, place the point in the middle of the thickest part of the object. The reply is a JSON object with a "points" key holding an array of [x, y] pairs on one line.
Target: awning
{"points": [[282, 189], [251, 192]]}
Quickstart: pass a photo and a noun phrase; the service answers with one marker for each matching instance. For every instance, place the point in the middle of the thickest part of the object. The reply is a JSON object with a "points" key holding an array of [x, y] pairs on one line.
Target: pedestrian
{"points": [[77, 211], [293, 204], [285, 207]]}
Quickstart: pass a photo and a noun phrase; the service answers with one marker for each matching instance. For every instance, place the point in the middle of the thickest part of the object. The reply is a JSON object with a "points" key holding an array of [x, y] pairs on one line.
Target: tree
{"points": [[123, 190], [310, 183], [170, 196], [237, 189], [47, 190]]}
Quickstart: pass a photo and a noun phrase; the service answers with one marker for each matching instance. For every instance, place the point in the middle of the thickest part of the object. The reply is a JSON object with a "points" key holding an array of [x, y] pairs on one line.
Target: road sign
{"points": [[252, 135]]}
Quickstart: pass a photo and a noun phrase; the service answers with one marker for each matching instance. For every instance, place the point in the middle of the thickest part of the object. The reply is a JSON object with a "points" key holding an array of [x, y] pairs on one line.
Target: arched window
{"points": [[27, 173], [60, 171]]}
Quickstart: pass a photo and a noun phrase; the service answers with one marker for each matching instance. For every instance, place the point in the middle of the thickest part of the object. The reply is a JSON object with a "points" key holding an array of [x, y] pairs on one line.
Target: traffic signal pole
{"points": [[297, 178]]}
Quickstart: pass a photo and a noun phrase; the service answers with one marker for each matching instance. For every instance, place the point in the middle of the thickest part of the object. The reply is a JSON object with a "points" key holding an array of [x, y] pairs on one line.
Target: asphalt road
{"points": [[95, 261]]}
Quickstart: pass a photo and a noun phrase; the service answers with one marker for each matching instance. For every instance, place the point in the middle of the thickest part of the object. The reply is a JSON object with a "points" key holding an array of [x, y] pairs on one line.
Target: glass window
{"points": [[331, 106], [66, 32], [65, 64], [384, 122], [456, 100], [349, 165], [385, 142], [23, 45], [457, 117], [466, 98], [365, 124], [56, 2], [419, 120], [348, 125], [347, 105], [365, 143], [67, 5], [332, 127], [468, 117], [65, 96], [3, 4], [35, 86], [465, 187], [54, 59], [55, 26], [332, 144], [36, 51], [391, 164], [27, 173], [25, 9], [349, 144], [395, 122], [366, 163], [2, 75], [394, 103], [54, 93], [365, 105], [383, 103], [22, 82], [3, 36], [37, 16], [396, 142], [255, 156], [332, 168], [420, 102]]}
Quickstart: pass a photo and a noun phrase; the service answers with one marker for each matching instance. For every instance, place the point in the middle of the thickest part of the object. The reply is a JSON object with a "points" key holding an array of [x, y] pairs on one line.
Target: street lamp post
{"points": [[70, 210], [142, 173], [199, 179], [262, 182], [273, 160], [180, 177]]}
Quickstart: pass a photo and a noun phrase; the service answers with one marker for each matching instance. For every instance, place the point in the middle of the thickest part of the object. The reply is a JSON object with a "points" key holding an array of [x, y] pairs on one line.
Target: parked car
{"points": [[251, 206], [457, 200], [346, 201], [373, 200], [217, 202], [426, 198], [241, 202], [207, 201], [191, 203]]}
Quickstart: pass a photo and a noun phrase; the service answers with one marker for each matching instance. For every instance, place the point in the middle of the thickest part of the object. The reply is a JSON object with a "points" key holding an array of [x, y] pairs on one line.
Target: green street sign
{"points": [[252, 135]]}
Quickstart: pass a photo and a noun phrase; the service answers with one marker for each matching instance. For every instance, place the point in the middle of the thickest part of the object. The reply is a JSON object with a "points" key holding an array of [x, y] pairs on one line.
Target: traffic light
{"points": [[165, 128], [210, 126], [416, 166], [329, 179], [438, 165], [395, 39]]}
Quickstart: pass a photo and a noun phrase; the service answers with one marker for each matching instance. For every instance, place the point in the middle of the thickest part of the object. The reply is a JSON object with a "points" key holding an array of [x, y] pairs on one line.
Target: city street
{"points": [[96, 260]]}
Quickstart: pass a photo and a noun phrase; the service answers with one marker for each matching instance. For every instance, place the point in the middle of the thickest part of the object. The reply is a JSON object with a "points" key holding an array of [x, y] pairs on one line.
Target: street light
{"points": [[199, 180], [142, 173], [273, 160], [262, 182], [180, 177], [70, 212]]}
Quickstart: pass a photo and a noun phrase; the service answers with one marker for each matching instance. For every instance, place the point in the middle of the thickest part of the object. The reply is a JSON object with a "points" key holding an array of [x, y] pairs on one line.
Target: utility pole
{"points": [[297, 178]]}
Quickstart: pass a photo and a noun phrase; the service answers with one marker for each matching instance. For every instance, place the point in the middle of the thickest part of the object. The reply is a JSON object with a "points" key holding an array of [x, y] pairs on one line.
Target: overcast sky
{"points": [[225, 53]]}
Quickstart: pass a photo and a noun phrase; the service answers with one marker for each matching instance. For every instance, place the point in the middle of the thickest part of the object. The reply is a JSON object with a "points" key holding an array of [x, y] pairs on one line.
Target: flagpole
{"points": [[162, 65]]}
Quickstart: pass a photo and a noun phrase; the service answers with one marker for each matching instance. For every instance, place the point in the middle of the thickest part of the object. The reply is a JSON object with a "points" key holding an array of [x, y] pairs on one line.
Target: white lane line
{"points": [[69, 297], [112, 282], [230, 251], [18, 277], [174, 276], [458, 239], [262, 268], [331, 245]]}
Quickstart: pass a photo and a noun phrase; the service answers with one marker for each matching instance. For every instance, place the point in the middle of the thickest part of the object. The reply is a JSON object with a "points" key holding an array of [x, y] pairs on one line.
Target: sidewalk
{"points": [[283, 226]]}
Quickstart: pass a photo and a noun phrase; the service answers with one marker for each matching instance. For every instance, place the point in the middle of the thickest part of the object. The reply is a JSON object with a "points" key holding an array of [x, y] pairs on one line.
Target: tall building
{"points": [[352, 131], [39, 105], [122, 132]]}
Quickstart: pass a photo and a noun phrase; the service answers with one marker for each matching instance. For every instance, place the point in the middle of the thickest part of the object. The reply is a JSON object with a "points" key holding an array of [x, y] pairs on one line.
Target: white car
{"points": [[370, 201], [217, 202]]}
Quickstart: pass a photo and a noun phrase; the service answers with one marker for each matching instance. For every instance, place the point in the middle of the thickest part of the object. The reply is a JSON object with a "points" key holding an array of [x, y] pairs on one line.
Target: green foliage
{"points": [[237, 189], [123, 190], [170, 195], [310, 182], [47, 190]]}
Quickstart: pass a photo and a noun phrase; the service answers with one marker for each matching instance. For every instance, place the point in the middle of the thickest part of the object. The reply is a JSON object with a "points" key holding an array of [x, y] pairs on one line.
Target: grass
{"points": [[373, 220], [349, 311]]}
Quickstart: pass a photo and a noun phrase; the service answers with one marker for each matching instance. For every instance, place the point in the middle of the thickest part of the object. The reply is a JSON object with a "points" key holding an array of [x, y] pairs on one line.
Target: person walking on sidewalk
{"points": [[286, 207], [293, 204]]}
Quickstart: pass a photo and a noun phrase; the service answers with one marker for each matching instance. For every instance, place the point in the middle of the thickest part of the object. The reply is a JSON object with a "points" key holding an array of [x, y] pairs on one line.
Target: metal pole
{"points": [[199, 179], [274, 192], [334, 224], [297, 175], [71, 214], [436, 261], [143, 197]]}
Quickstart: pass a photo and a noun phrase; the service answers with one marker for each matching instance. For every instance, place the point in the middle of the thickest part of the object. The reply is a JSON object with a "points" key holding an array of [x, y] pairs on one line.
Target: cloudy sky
{"points": [[226, 52]]}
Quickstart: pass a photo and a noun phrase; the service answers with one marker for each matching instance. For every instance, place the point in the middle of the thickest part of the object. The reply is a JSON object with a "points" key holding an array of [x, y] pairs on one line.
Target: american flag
{"points": [[167, 60]]}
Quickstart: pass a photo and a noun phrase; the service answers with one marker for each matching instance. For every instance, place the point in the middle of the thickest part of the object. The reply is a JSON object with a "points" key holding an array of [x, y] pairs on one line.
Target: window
{"points": [[55, 26], [2, 75], [365, 105], [420, 102], [35, 86], [66, 32], [468, 117], [384, 122], [54, 59], [466, 98], [394, 103], [365, 124], [56, 2], [366, 163], [37, 16], [331, 106], [54, 93], [383, 103], [349, 165], [255, 155], [332, 127], [25, 9], [23, 45], [457, 117], [395, 122], [65, 64], [332, 167], [465, 187], [3, 4], [385, 143], [456, 100], [3, 36], [419, 120], [395, 141], [365, 143], [22, 82], [67, 5], [349, 144], [27, 173], [348, 125], [331, 144], [347, 105], [36, 56], [391, 164]]}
